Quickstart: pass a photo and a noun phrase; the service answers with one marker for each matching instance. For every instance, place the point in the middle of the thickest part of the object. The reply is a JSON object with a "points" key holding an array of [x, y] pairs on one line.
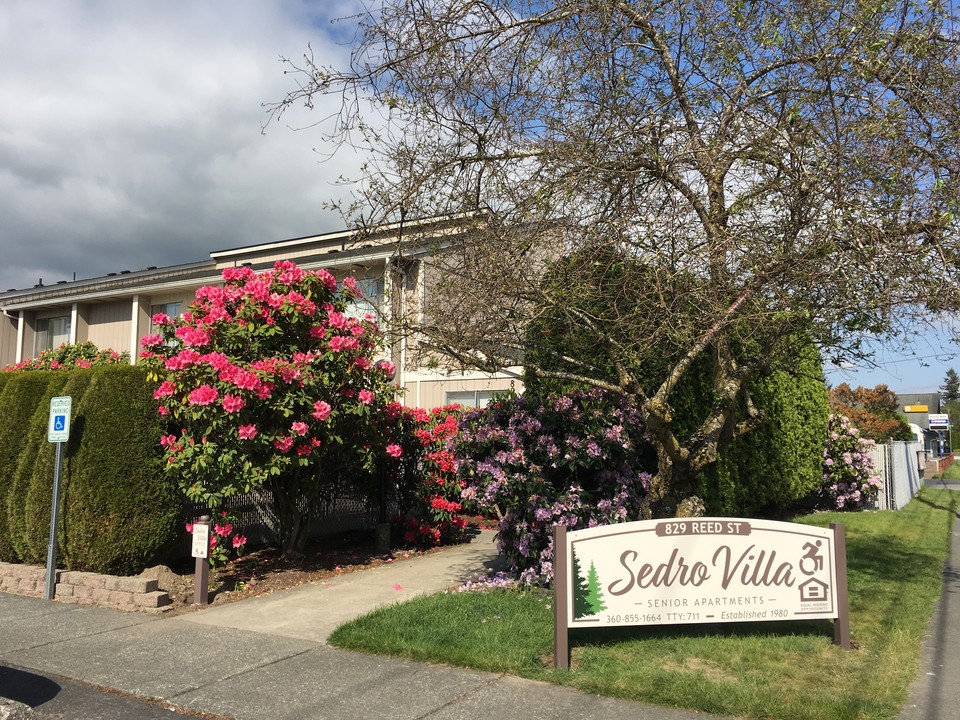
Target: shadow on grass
{"points": [[889, 559], [951, 507]]}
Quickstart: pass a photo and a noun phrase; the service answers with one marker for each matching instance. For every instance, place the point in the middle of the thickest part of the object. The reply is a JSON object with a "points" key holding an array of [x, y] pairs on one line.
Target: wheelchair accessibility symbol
{"points": [[59, 423]]}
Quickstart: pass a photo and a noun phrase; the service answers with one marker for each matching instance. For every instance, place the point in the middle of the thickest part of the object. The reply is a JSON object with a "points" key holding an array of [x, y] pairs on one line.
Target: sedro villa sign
{"points": [[698, 570]]}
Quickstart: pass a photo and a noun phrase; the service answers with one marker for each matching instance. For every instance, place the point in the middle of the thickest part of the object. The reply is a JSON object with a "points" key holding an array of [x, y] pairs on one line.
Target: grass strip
{"points": [[759, 670]]}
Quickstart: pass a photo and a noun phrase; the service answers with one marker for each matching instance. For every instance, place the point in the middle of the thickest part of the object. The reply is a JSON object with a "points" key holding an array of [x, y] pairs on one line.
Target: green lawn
{"points": [[761, 670], [952, 472]]}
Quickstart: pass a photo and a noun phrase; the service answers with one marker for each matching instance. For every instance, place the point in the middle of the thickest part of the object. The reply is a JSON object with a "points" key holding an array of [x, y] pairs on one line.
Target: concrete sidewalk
{"points": [[267, 657]]}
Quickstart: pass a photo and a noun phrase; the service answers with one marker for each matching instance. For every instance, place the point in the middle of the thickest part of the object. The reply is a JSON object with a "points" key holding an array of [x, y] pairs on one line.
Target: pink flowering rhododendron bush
{"points": [[423, 470], [269, 382], [71, 357], [576, 460], [849, 479]]}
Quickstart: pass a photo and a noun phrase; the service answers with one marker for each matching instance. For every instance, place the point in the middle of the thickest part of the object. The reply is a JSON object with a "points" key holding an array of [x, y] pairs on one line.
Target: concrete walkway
{"points": [[267, 657]]}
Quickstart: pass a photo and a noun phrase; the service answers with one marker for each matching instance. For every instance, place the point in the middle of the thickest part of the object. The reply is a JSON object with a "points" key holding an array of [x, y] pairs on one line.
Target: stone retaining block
{"points": [[135, 594]]}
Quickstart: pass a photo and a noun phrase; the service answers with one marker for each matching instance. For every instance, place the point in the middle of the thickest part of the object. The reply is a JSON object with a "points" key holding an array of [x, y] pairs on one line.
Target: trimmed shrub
{"points": [[25, 523], [762, 473], [21, 396], [39, 489], [121, 511], [766, 472]]}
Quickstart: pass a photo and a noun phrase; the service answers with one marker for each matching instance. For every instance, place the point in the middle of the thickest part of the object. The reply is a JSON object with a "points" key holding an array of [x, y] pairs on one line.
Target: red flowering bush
{"points": [[268, 381], [425, 475], [72, 357]]}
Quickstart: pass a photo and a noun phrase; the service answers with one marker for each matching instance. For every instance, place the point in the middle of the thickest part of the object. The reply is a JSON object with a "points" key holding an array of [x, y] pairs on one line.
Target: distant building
{"points": [[918, 407], [391, 266]]}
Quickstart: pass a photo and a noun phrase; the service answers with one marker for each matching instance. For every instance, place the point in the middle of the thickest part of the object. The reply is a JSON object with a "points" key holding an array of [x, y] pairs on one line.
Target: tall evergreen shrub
{"points": [[37, 502], [25, 523], [121, 511], [766, 472], [20, 396]]}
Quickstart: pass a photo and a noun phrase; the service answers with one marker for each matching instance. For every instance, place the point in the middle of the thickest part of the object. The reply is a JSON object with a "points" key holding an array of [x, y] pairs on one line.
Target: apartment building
{"points": [[390, 265]]}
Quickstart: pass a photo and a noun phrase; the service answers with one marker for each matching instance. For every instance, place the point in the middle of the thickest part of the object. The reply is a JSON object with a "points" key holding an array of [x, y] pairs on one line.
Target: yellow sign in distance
{"points": [[916, 408]]}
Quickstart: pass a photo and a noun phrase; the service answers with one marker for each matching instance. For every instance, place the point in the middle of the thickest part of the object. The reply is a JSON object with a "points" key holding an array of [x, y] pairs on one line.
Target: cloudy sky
{"points": [[130, 133], [130, 136]]}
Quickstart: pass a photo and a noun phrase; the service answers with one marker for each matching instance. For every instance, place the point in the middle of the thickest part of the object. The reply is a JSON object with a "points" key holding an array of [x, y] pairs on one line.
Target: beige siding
{"points": [[8, 340], [433, 393], [108, 325]]}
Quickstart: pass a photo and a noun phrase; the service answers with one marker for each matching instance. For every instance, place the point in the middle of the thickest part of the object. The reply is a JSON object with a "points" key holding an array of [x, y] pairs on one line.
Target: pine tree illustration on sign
{"points": [[594, 593], [587, 594], [581, 605]]}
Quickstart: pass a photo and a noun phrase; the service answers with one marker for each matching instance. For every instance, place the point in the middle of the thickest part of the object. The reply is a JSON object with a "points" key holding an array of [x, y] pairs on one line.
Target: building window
{"points": [[371, 296], [170, 309], [470, 398], [51, 333]]}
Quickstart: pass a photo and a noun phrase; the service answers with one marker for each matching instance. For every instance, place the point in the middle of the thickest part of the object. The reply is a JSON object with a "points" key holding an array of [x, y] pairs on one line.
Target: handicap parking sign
{"points": [[58, 429]]}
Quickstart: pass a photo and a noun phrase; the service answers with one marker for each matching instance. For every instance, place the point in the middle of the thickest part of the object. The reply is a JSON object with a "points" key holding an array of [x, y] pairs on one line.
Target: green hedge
{"points": [[119, 511], [21, 396], [29, 530], [768, 471]]}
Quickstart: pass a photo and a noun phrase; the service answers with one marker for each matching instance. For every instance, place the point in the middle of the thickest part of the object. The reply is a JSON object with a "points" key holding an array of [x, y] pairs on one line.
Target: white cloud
{"points": [[130, 133]]}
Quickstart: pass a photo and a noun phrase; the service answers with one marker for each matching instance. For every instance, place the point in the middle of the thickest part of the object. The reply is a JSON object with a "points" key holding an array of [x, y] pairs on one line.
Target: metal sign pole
{"points": [[58, 432], [54, 522]]}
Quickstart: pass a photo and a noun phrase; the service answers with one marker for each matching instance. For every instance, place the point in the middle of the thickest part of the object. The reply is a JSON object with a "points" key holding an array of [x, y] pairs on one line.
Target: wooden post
{"points": [[561, 579], [841, 626], [201, 551]]}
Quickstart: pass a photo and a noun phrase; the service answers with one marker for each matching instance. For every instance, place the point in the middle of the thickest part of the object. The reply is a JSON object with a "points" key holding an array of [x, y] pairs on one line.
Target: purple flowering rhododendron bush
{"points": [[575, 460], [269, 382], [849, 479]]}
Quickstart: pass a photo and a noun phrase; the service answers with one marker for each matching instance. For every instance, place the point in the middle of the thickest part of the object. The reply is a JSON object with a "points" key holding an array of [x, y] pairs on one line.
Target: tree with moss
{"points": [[800, 159]]}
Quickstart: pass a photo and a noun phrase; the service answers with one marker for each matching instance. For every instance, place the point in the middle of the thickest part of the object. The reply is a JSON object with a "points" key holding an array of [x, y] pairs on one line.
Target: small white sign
{"points": [[938, 421], [700, 570], [58, 427], [201, 540]]}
